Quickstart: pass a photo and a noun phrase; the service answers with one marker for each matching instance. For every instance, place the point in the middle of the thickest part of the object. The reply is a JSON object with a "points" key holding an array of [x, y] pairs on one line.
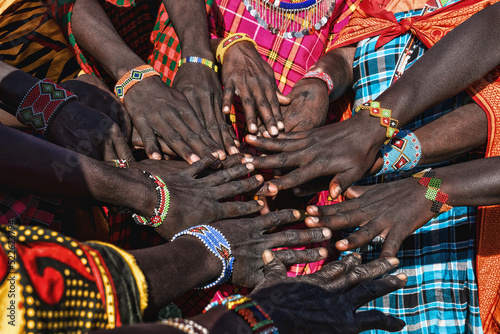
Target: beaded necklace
{"points": [[291, 19]]}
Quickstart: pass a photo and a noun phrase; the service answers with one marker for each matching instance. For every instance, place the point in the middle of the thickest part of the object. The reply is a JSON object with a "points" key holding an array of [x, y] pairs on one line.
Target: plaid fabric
{"points": [[441, 294]]}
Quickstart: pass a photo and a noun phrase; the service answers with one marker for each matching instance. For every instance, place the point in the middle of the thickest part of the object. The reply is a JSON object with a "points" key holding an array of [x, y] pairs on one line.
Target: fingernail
{"points": [[156, 156], [402, 276], [226, 110], [266, 134], [252, 137], [281, 125], [261, 203], [222, 155], [215, 154], [296, 213], [357, 255], [274, 131], [272, 188], [336, 192], [248, 159], [253, 128], [237, 143], [393, 260], [259, 178], [195, 158], [344, 242], [327, 233], [233, 150], [267, 256], [246, 155], [315, 220], [312, 209], [323, 252], [250, 167]]}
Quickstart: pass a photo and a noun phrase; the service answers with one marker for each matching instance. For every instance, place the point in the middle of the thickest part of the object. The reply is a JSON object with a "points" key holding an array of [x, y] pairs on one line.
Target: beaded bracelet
{"points": [[402, 153], [433, 193], [162, 205], [258, 320], [385, 117], [198, 60], [322, 76], [133, 77], [185, 325], [121, 163], [227, 42], [41, 104], [215, 241]]}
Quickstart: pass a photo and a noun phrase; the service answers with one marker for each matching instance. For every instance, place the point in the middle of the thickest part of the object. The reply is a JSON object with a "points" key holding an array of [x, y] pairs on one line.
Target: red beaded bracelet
{"points": [[322, 76]]}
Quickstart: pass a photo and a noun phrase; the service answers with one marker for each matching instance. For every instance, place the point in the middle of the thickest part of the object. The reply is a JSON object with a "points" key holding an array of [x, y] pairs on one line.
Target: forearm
{"points": [[14, 84]]}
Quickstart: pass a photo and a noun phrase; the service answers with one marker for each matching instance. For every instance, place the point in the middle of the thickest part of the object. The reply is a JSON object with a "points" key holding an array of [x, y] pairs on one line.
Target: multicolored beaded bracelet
{"points": [[402, 153], [185, 325], [227, 42], [258, 320], [121, 163], [133, 77], [198, 60], [385, 117], [162, 205], [215, 241], [322, 76], [433, 193], [41, 104]]}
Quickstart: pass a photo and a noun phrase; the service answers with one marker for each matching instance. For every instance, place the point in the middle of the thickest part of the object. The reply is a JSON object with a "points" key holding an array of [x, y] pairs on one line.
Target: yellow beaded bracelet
{"points": [[386, 120], [228, 41]]}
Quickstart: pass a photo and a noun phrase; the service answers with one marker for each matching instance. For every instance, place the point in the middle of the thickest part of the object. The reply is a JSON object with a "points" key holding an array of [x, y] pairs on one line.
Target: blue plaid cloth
{"points": [[441, 294]]}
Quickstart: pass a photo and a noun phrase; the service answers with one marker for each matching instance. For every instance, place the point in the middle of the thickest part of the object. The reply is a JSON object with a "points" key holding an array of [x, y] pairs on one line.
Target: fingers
{"points": [[239, 209], [273, 267], [148, 138], [313, 187], [392, 243], [340, 216], [370, 290], [248, 104], [281, 160], [375, 319], [290, 257], [294, 237], [276, 145], [227, 98], [342, 181], [294, 178], [334, 269], [198, 166], [122, 149], [228, 139], [229, 174], [278, 218], [282, 99], [234, 188], [356, 191]]}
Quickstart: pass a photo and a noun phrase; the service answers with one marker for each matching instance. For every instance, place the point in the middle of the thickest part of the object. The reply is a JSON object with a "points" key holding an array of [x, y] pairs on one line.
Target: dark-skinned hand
{"points": [[391, 210], [205, 194], [344, 150], [201, 87], [250, 237], [327, 300], [88, 131], [158, 110], [248, 76]]}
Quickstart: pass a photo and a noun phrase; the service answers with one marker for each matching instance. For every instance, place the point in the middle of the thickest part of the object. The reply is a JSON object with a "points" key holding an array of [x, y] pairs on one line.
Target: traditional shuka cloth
{"points": [[52, 283]]}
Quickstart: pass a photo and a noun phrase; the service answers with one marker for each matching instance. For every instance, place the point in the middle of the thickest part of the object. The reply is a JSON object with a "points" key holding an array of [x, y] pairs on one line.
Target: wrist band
{"points": [[198, 60], [385, 117], [322, 76], [133, 77], [185, 325], [215, 241], [402, 153], [433, 193], [121, 163], [254, 315], [162, 205], [228, 41], [41, 104]]}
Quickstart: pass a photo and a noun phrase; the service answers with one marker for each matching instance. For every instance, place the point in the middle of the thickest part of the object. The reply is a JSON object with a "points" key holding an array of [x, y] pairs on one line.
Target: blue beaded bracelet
{"points": [[215, 241], [402, 153]]}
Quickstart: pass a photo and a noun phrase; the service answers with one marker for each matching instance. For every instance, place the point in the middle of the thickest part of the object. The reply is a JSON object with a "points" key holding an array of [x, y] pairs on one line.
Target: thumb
{"points": [[282, 99], [273, 267], [356, 191], [341, 182]]}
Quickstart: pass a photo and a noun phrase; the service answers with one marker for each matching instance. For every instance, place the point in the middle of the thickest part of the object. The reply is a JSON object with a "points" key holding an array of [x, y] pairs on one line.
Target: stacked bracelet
{"points": [[133, 77], [198, 60], [402, 153], [215, 241], [162, 205], [322, 76], [254, 315], [41, 104], [385, 117], [121, 163], [185, 325], [433, 193], [227, 42]]}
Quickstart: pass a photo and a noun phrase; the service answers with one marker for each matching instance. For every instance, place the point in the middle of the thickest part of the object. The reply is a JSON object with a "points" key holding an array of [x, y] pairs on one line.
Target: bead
{"points": [[385, 117], [199, 60], [433, 193], [132, 78], [162, 204]]}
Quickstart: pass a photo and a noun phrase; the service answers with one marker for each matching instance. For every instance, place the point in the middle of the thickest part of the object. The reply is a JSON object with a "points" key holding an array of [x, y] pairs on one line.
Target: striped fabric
{"points": [[441, 294]]}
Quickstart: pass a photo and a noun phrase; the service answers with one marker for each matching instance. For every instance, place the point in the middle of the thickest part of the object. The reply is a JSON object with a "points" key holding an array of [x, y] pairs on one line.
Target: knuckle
{"points": [[286, 256], [358, 273], [224, 176], [193, 137], [204, 134], [248, 101], [174, 137], [282, 158], [291, 236]]}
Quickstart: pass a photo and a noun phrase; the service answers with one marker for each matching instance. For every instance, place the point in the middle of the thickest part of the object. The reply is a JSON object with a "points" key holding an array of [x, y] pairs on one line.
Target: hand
{"points": [[92, 92], [345, 150], [391, 210], [247, 75], [250, 237], [195, 201], [157, 109], [327, 301], [160, 167], [201, 87], [87, 131], [308, 107]]}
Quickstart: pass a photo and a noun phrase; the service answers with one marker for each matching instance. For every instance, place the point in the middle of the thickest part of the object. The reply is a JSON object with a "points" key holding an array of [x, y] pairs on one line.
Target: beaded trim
{"points": [[260, 322], [322, 76], [385, 117], [132, 78], [185, 325], [198, 60], [433, 193], [162, 205], [230, 40], [215, 241], [41, 104], [402, 153], [121, 163]]}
